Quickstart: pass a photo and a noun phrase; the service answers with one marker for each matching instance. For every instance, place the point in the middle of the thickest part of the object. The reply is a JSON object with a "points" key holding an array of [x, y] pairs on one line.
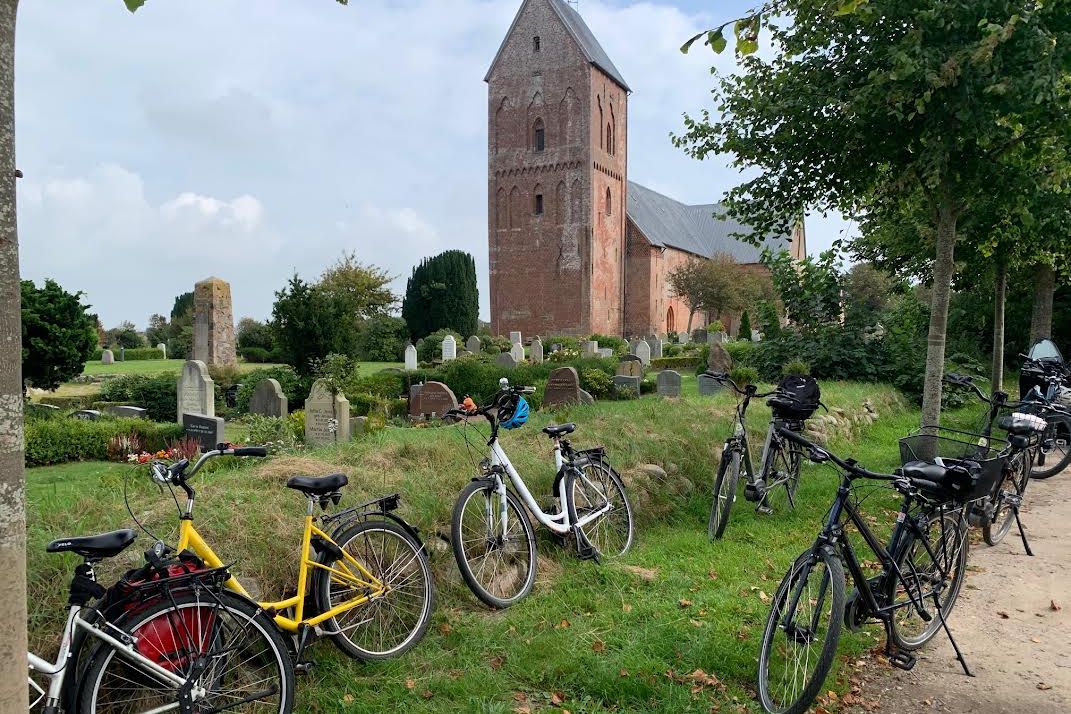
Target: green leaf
{"points": [[133, 5], [688, 45], [847, 7], [716, 40]]}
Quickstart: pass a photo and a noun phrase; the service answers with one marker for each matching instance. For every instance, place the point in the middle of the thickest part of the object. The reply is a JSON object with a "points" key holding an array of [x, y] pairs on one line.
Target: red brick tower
{"points": [[557, 176]]}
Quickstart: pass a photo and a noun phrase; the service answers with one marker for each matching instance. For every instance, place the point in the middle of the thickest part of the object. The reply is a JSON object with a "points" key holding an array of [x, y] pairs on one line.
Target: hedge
{"points": [[132, 355], [57, 441], [677, 363], [157, 394], [70, 402]]}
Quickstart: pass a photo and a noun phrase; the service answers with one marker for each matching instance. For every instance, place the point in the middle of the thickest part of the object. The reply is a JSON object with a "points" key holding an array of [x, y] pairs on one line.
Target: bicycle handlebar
{"points": [[819, 455], [176, 472], [723, 378]]}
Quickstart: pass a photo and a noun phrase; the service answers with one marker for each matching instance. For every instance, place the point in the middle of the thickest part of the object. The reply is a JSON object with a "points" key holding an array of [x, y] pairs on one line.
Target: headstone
{"points": [[449, 348], [556, 347], [719, 360], [414, 399], [630, 367], [230, 395], [563, 387], [358, 426], [106, 357], [699, 335], [654, 343], [464, 353], [327, 416], [632, 345], [505, 359], [410, 357], [207, 430], [436, 398], [627, 384], [86, 414], [268, 399], [163, 349], [669, 383], [643, 351], [517, 350], [128, 412], [586, 398], [474, 345], [708, 386], [196, 391], [756, 336], [606, 352], [515, 338], [717, 337], [535, 351], [591, 348], [213, 323], [683, 338]]}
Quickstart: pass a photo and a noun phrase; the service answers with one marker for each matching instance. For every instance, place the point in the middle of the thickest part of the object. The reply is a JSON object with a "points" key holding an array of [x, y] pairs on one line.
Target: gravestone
{"points": [[464, 353], [563, 387], [107, 357], [627, 384], [719, 360], [683, 338], [230, 395], [196, 391], [606, 352], [708, 386], [654, 343], [213, 323], [473, 345], [591, 348], [414, 399], [358, 426], [327, 416], [517, 350], [669, 383], [556, 347], [699, 335], [535, 351], [643, 351], [515, 338], [630, 366], [86, 414], [505, 359], [410, 357], [632, 345], [436, 398], [163, 349], [268, 399], [756, 336], [128, 412], [206, 430], [717, 337], [586, 398], [449, 348]]}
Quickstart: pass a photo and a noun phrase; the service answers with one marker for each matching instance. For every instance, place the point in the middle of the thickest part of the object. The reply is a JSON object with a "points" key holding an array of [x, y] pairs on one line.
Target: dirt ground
{"points": [[1012, 622]]}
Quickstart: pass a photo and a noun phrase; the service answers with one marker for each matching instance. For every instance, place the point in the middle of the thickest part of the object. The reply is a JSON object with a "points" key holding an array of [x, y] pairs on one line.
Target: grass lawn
{"points": [[625, 636]]}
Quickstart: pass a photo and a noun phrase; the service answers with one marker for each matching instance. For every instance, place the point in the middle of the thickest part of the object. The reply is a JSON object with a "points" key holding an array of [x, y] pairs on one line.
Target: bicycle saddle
{"points": [[925, 471], [559, 429], [317, 485], [104, 545]]}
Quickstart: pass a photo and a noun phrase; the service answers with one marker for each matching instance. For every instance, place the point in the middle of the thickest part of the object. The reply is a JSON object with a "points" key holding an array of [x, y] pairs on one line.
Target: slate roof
{"points": [[666, 222], [583, 36]]}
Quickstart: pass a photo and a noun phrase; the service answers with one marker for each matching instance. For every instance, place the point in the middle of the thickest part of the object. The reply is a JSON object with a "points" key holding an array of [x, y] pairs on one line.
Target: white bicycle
{"points": [[492, 536]]}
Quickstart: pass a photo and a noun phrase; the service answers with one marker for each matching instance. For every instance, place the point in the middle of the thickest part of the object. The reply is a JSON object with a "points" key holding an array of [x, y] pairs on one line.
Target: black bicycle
{"points": [[776, 482], [922, 569], [1047, 388]]}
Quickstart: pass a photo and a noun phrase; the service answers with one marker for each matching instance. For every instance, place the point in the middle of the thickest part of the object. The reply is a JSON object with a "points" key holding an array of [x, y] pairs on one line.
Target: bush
{"points": [[70, 402], [832, 351], [272, 432], [648, 386], [597, 383], [716, 326], [744, 375], [796, 368], [224, 375], [58, 441], [618, 345], [37, 412], [744, 331], [741, 351], [296, 422], [255, 355], [294, 387], [381, 384], [181, 345], [140, 354], [494, 345], [678, 363], [382, 339], [157, 394]]}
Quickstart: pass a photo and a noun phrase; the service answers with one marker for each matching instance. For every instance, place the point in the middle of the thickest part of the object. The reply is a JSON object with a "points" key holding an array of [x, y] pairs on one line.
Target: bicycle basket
{"points": [[980, 455]]}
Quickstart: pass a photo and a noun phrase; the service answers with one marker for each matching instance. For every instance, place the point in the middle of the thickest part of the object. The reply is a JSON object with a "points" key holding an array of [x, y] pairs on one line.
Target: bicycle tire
{"points": [[596, 532], [790, 457], [724, 493], [516, 512], [953, 534], [1017, 476], [1059, 428], [249, 622], [399, 561], [803, 568]]}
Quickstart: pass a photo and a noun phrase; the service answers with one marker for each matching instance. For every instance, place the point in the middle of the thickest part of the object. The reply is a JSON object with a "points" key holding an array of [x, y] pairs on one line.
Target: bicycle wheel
{"points": [[392, 623], [241, 657], [939, 570], [498, 567], [782, 476], [724, 493], [1054, 454], [801, 635], [1012, 485], [591, 488]]}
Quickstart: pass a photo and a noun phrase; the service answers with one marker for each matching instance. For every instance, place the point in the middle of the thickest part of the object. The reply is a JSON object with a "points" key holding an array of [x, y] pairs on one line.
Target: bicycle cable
{"points": [[130, 510]]}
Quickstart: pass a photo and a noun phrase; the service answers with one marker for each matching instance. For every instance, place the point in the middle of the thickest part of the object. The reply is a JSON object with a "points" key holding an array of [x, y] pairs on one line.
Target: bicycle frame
{"points": [[739, 442]]}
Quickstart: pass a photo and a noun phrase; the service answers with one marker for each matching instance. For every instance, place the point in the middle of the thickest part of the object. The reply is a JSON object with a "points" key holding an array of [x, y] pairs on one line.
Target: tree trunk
{"points": [[691, 314], [999, 291], [1041, 320], [12, 485], [943, 266]]}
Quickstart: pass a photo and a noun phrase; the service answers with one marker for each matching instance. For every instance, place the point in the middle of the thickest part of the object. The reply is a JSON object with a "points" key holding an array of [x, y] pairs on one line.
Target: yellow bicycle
{"points": [[371, 586]]}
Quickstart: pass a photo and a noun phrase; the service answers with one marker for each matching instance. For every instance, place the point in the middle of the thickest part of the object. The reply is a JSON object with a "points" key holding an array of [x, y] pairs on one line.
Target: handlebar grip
{"points": [[250, 451], [924, 484], [528, 390]]}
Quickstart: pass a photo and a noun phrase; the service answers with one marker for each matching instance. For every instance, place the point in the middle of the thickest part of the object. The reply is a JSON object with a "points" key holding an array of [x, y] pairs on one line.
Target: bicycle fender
{"points": [[326, 558]]}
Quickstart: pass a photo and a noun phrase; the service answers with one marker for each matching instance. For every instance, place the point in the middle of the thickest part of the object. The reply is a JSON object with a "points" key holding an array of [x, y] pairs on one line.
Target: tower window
{"points": [[539, 204], [536, 44], [609, 206], [539, 141], [609, 140]]}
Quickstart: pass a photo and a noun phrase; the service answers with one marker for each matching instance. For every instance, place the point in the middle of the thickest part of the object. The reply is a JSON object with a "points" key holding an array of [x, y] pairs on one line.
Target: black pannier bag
{"points": [[797, 398]]}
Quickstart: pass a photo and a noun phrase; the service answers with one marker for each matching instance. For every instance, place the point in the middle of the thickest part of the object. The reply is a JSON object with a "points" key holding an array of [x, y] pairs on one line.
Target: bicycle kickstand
{"points": [[944, 623], [1022, 532]]}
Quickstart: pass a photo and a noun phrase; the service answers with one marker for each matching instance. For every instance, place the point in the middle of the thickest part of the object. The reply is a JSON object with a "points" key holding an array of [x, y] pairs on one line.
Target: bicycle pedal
{"points": [[902, 660], [751, 493], [304, 667], [764, 510]]}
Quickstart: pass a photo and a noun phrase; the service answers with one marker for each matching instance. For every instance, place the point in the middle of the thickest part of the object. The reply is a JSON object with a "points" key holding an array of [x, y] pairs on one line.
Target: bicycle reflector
{"points": [[519, 416]]}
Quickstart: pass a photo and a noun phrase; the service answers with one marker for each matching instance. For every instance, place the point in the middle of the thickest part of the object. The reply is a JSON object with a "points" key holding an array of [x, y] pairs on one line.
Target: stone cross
{"points": [[410, 357], [473, 345], [327, 416], [517, 350], [213, 323], [535, 351], [195, 391], [669, 383], [643, 351], [449, 348], [268, 399]]}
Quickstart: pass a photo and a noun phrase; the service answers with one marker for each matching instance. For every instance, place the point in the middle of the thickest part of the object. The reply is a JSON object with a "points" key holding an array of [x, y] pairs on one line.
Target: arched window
{"points": [[539, 135], [609, 206], [537, 200], [671, 326], [536, 44]]}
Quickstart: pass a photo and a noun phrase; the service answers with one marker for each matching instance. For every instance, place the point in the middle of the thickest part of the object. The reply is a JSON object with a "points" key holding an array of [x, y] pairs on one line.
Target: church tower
{"points": [[557, 177]]}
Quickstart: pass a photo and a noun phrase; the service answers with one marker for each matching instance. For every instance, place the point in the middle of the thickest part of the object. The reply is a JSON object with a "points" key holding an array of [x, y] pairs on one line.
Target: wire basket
{"points": [[982, 455]]}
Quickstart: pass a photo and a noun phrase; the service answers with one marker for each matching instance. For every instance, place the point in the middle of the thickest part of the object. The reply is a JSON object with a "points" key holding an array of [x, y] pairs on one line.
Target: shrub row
{"points": [[157, 394], [57, 441], [132, 355], [677, 363]]}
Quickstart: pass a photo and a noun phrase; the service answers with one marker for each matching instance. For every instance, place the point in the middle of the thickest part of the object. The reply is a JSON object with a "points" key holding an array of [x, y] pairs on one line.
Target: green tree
{"points": [[810, 290], [254, 333], [888, 102], [125, 334], [442, 294], [362, 288], [382, 339], [158, 330], [58, 335], [309, 324], [717, 285], [744, 331], [183, 306], [866, 293]]}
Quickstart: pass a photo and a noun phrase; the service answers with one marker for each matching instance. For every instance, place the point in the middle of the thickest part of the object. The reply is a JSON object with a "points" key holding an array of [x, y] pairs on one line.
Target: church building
{"points": [[575, 246]]}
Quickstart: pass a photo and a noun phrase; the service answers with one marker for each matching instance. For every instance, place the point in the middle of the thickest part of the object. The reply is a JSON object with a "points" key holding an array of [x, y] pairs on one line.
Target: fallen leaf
{"points": [[626, 607], [520, 697], [695, 623], [1003, 615], [644, 573], [598, 646], [497, 662], [445, 629], [685, 603], [1044, 687], [427, 694], [564, 624], [348, 698], [763, 596], [713, 575], [522, 709], [832, 695], [623, 673], [410, 683], [557, 699], [1055, 606]]}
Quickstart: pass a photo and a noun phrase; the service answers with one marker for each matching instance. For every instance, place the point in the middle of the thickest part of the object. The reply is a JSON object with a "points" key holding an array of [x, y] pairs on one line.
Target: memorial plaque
{"points": [[591, 348], [606, 352], [449, 348], [207, 430], [563, 387], [669, 383], [196, 391], [327, 416]]}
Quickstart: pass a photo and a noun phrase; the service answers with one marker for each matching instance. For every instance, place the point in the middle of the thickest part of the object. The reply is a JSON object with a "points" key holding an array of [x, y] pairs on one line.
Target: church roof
{"points": [[580, 32], [694, 229]]}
